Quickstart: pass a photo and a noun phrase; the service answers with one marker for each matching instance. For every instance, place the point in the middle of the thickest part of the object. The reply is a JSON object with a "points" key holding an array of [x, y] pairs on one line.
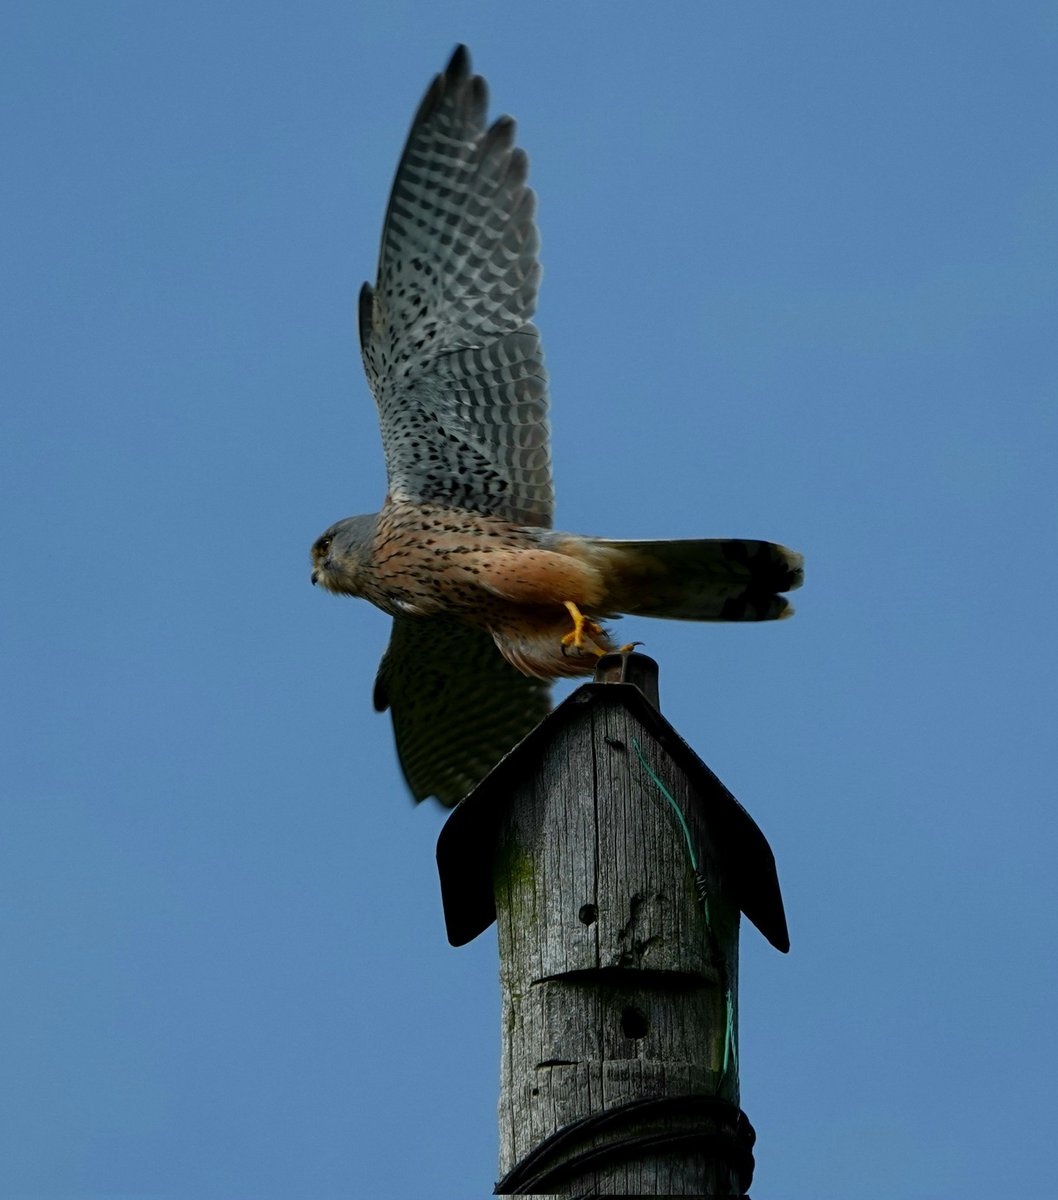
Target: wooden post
{"points": [[617, 865]]}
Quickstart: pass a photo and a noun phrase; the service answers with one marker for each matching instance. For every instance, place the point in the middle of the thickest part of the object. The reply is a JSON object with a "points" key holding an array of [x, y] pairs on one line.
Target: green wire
{"points": [[730, 1051], [729, 1034], [675, 807]]}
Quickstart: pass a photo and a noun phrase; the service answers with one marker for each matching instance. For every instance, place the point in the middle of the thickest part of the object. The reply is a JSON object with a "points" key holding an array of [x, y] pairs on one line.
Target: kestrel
{"points": [[488, 602]]}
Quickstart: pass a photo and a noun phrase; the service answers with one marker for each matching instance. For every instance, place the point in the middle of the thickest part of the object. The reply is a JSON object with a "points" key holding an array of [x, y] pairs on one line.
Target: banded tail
{"points": [[717, 579]]}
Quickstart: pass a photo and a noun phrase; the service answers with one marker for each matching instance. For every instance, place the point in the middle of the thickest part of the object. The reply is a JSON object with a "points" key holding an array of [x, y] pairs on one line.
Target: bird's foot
{"points": [[627, 648], [583, 634]]}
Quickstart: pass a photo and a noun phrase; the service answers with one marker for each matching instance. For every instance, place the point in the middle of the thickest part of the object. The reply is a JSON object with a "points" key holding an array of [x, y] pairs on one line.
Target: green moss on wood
{"points": [[514, 882]]}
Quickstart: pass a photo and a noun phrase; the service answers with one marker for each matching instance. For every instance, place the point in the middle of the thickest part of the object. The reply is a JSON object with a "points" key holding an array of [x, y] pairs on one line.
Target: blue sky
{"points": [[800, 283]]}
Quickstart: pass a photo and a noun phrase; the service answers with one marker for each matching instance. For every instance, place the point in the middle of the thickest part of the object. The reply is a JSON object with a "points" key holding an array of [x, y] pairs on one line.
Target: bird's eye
{"points": [[322, 546]]}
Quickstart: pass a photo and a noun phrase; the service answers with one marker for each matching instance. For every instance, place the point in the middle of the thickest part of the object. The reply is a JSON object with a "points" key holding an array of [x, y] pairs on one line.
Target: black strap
{"points": [[695, 1123]]}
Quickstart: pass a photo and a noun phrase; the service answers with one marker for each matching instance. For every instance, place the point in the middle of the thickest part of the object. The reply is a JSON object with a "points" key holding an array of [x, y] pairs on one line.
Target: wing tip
{"points": [[458, 81], [459, 64], [455, 75]]}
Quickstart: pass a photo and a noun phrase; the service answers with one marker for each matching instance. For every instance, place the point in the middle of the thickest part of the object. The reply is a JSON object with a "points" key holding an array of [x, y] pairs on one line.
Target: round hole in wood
{"points": [[634, 1024]]}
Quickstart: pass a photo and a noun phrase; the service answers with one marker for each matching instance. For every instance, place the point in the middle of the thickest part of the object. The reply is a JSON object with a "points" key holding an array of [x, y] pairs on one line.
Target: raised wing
{"points": [[457, 706], [453, 362]]}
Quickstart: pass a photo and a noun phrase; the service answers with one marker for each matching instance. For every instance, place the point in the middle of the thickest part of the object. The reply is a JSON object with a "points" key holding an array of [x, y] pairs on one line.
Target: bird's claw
{"points": [[583, 634]]}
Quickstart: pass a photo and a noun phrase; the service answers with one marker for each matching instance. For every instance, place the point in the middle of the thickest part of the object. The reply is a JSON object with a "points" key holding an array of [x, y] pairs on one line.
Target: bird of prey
{"points": [[489, 603]]}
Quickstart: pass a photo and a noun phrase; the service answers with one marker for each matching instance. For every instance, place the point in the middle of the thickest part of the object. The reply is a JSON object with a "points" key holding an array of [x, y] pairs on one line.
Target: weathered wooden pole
{"points": [[616, 865]]}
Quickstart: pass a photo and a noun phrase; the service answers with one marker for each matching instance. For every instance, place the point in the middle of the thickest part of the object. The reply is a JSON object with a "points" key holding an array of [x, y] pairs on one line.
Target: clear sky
{"points": [[800, 283]]}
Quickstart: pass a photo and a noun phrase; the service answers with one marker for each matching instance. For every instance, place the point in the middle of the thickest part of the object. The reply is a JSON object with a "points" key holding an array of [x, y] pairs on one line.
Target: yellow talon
{"points": [[583, 628]]}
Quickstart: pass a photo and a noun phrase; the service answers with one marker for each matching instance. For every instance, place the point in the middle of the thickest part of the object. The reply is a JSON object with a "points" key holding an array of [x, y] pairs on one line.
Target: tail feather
{"points": [[719, 579]]}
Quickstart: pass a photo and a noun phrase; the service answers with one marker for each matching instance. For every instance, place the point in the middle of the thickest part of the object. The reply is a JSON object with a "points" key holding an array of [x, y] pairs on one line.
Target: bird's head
{"points": [[340, 554]]}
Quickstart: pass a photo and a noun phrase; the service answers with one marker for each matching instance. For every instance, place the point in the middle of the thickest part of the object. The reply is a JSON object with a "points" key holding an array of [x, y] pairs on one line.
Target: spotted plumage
{"points": [[462, 553]]}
